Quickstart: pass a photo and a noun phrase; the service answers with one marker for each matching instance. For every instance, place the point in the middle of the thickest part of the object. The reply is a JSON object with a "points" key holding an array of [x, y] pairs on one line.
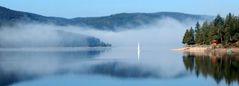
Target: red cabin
{"points": [[214, 42]]}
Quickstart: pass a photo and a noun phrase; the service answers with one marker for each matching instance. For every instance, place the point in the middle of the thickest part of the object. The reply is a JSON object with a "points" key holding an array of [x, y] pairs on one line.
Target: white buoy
{"points": [[138, 52]]}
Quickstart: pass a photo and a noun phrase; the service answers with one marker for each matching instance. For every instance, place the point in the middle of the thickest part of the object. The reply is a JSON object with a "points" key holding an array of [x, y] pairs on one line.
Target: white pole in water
{"points": [[138, 52]]}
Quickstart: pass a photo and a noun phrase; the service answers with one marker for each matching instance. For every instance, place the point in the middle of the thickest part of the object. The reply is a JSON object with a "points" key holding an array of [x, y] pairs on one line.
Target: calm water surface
{"points": [[117, 66]]}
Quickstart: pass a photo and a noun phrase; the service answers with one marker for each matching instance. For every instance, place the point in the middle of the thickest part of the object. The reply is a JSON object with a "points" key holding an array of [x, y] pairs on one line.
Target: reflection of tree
{"points": [[188, 62], [220, 67]]}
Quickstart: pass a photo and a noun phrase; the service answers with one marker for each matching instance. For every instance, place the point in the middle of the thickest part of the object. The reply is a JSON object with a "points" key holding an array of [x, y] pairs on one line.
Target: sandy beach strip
{"points": [[205, 49]]}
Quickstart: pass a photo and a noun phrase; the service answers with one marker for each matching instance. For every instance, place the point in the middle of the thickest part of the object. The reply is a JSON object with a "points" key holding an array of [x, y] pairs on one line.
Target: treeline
{"points": [[224, 30]]}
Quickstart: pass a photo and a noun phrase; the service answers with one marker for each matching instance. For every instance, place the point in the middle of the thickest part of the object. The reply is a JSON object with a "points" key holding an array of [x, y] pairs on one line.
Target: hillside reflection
{"points": [[17, 66], [221, 67]]}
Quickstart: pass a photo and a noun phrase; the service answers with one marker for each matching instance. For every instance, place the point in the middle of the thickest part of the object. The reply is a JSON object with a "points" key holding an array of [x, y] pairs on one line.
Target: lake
{"points": [[116, 66]]}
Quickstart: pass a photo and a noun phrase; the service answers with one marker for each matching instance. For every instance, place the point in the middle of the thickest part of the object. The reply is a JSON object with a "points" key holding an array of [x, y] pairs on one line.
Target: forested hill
{"points": [[112, 22], [221, 30], [25, 36]]}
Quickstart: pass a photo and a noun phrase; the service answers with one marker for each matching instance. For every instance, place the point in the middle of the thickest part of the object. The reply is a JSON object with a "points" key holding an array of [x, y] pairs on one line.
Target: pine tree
{"points": [[186, 37], [218, 23], [191, 37], [198, 34], [204, 31], [227, 28], [197, 27]]}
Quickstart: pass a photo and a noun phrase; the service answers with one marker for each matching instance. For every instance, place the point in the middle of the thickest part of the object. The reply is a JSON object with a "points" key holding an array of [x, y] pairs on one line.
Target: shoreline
{"points": [[33, 49], [206, 49]]}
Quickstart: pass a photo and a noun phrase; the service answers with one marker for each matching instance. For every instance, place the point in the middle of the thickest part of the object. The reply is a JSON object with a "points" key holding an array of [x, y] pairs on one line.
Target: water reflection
{"points": [[20, 65], [123, 70], [221, 67]]}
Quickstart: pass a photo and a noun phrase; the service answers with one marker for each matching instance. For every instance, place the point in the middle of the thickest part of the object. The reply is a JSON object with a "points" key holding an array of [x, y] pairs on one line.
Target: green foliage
{"points": [[189, 37], [225, 31], [186, 37], [197, 27], [192, 38], [218, 21]]}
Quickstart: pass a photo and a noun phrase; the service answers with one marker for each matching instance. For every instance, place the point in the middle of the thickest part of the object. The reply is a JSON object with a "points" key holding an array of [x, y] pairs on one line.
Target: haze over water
{"points": [[117, 65]]}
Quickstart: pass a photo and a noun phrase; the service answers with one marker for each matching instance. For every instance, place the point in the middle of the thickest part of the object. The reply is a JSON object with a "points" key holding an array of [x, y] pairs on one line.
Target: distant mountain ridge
{"points": [[64, 39], [112, 22]]}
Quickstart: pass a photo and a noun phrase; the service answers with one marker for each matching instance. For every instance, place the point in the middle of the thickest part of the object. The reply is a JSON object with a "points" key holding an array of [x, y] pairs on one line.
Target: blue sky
{"points": [[90, 8]]}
